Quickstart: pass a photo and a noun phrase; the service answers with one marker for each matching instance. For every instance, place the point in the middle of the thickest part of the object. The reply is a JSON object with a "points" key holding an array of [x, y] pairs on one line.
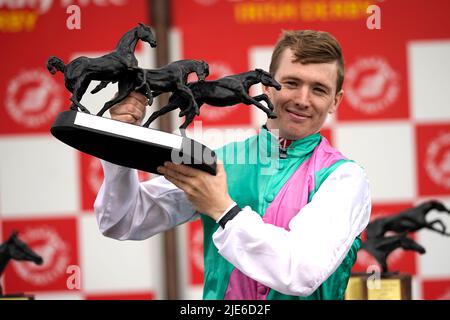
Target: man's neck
{"points": [[274, 131], [284, 142], [277, 132]]}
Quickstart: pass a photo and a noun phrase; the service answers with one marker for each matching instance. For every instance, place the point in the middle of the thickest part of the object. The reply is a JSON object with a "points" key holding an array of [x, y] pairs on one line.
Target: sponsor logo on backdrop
{"points": [[43, 6], [286, 11], [371, 85], [46, 242], [216, 70], [437, 163], [33, 98], [19, 16]]}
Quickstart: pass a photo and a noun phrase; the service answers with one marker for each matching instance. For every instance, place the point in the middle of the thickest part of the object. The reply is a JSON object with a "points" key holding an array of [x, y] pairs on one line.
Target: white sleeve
{"points": [[129, 210], [296, 262]]}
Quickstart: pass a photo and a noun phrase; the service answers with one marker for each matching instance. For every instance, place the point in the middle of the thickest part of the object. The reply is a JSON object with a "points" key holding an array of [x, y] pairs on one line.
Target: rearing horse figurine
{"points": [[16, 249], [170, 78], [409, 220], [226, 91], [381, 248], [110, 67]]}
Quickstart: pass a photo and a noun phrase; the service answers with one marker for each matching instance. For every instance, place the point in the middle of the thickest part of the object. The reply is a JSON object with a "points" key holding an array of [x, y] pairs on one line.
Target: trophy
{"points": [[15, 249], [394, 285], [141, 147]]}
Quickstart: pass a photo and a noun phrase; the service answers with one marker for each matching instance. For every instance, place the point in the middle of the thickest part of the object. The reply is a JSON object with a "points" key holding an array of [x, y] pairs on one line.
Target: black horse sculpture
{"points": [[381, 248], [110, 67], [409, 220], [226, 91], [170, 78], [16, 249]]}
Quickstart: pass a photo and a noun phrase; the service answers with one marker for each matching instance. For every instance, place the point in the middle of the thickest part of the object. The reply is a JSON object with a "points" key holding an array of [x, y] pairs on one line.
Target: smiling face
{"points": [[308, 94]]}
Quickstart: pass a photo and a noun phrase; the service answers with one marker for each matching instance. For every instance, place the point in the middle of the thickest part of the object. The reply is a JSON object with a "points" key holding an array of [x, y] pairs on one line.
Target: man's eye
{"points": [[290, 84], [319, 90]]}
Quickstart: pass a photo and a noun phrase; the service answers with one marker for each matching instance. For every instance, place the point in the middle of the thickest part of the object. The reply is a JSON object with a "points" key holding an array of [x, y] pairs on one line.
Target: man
{"points": [[285, 226]]}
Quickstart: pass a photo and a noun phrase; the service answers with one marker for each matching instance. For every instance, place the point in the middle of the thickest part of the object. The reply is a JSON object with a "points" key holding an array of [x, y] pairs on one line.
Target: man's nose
{"points": [[302, 97]]}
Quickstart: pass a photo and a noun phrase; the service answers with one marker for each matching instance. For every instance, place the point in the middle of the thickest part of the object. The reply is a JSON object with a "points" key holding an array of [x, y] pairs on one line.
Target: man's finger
{"points": [[168, 172], [182, 169], [129, 110], [139, 96], [180, 184], [137, 103], [137, 112], [125, 118], [219, 166]]}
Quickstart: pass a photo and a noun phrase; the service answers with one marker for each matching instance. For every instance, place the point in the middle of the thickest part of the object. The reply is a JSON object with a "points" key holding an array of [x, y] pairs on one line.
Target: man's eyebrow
{"points": [[317, 83], [291, 77]]}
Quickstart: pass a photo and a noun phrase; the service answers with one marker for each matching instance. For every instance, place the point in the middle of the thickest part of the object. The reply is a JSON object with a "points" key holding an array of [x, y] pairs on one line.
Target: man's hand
{"points": [[131, 109], [207, 193]]}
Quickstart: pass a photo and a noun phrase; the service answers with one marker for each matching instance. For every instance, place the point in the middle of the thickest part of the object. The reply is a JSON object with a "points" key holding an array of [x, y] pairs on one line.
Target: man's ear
{"points": [[336, 102]]}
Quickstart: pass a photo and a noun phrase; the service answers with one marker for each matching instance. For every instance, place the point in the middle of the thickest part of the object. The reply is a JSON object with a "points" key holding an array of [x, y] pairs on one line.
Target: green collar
{"points": [[297, 149]]}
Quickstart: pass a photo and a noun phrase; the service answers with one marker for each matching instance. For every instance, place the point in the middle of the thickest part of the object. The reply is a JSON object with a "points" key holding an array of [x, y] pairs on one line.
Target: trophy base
{"points": [[356, 287], [390, 286], [130, 145]]}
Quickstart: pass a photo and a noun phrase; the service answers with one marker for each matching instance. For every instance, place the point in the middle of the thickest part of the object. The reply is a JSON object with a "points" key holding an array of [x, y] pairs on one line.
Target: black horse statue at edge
{"points": [[16, 249], [385, 234]]}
